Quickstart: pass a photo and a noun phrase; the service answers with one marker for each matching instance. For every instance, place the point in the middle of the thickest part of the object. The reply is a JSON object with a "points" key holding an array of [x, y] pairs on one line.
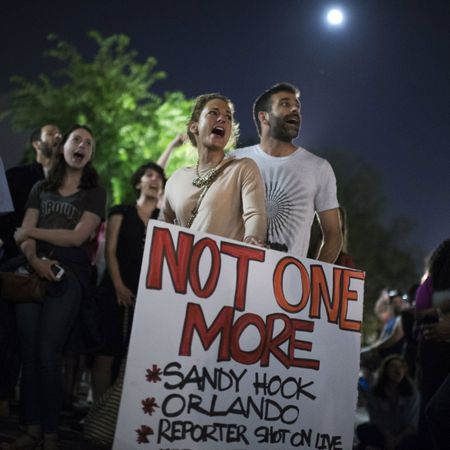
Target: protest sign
{"points": [[239, 347]]}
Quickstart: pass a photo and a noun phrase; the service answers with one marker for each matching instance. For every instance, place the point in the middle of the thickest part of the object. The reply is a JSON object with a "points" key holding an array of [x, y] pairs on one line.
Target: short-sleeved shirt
{"points": [[64, 212], [130, 244], [297, 186]]}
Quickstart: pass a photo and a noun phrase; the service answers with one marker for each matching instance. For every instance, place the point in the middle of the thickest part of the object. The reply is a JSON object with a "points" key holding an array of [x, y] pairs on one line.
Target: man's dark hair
{"points": [[35, 135], [264, 101], [140, 171]]}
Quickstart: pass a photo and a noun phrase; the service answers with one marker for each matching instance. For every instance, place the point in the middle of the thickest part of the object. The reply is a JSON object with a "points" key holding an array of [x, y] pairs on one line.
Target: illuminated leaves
{"points": [[112, 93]]}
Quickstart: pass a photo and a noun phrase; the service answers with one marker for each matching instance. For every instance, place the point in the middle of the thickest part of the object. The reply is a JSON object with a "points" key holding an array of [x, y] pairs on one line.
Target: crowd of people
{"points": [[405, 373], [273, 194]]}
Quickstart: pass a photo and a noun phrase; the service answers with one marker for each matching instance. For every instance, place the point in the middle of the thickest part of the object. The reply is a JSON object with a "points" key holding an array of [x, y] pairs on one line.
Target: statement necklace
{"points": [[204, 180]]}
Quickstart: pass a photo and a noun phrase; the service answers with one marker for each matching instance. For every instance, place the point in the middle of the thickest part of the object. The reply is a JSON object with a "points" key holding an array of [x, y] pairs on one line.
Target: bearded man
{"points": [[298, 183], [44, 141]]}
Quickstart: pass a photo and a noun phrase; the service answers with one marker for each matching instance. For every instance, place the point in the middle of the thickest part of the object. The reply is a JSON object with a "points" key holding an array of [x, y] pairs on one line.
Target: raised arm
{"points": [[165, 156]]}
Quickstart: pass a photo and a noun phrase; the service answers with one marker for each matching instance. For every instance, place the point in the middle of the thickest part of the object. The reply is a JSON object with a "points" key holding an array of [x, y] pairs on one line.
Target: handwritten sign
{"points": [[239, 347]]}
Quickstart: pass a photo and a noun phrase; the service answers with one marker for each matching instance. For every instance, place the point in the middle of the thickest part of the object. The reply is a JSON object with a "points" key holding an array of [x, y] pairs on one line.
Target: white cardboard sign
{"points": [[239, 347]]}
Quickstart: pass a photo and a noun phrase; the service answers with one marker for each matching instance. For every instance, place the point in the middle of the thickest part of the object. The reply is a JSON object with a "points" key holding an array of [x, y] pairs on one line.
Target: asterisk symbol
{"points": [[153, 374], [149, 405], [143, 433]]}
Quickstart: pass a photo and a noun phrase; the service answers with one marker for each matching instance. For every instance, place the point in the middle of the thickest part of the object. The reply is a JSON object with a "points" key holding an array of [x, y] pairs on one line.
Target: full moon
{"points": [[335, 17]]}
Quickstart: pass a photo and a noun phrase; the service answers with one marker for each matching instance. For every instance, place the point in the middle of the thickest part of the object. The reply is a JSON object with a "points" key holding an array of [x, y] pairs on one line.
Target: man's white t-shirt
{"points": [[297, 186]]}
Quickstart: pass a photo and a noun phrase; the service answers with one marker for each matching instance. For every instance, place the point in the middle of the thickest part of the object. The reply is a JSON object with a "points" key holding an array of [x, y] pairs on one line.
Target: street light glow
{"points": [[335, 17]]}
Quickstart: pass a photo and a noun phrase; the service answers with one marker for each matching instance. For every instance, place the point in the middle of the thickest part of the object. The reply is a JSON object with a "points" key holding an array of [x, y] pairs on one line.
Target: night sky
{"points": [[377, 87]]}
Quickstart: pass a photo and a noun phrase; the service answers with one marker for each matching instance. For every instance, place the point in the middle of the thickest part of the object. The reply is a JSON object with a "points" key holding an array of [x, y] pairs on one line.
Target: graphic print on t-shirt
{"points": [[61, 213], [286, 204]]}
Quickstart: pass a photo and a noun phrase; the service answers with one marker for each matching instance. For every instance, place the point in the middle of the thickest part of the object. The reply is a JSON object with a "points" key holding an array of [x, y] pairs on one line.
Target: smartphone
{"points": [[58, 271]]}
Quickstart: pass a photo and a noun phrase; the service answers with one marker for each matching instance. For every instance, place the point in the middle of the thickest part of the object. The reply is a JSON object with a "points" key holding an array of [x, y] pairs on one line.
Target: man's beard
{"points": [[47, 150], [281, 130]]}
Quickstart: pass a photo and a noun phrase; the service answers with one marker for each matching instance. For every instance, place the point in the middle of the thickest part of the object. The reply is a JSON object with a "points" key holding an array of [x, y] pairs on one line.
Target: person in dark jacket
{"points": [[21, 179]]}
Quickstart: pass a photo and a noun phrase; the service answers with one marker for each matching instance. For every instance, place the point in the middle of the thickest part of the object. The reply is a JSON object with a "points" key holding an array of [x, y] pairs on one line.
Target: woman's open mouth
{"points": [[78, 156], [219, 131]]}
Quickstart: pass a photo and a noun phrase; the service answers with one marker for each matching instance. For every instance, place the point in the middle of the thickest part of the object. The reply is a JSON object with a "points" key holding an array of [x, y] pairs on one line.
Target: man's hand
{"points": [[439, 331]]}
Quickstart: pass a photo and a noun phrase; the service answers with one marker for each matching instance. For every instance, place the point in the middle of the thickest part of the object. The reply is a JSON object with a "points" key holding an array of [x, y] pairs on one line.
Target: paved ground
{"points": [[71, 436]]}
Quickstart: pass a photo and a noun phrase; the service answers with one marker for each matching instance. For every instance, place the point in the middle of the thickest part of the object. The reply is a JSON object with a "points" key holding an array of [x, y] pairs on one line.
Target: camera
{"points": [[58, 271]]}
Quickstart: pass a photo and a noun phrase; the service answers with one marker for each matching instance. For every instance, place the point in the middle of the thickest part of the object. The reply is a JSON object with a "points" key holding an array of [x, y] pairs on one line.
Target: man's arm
{"points": [[332, 235]]}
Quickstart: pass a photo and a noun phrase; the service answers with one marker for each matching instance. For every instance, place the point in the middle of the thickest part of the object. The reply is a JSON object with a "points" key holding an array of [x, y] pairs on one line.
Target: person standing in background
{"points": [[21, 179]]}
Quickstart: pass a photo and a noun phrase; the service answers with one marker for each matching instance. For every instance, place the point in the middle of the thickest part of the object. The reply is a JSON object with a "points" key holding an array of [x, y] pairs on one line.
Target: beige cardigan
{"points": [[233, 207]]}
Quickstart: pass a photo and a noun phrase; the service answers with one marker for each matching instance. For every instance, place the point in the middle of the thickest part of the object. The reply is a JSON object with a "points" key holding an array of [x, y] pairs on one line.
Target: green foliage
{"points": [[376, 244], [112, 94]]}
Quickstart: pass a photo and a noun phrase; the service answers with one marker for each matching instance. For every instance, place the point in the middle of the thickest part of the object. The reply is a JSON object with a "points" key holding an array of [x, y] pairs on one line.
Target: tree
{"points": [[376, 244], [112, 94]]}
